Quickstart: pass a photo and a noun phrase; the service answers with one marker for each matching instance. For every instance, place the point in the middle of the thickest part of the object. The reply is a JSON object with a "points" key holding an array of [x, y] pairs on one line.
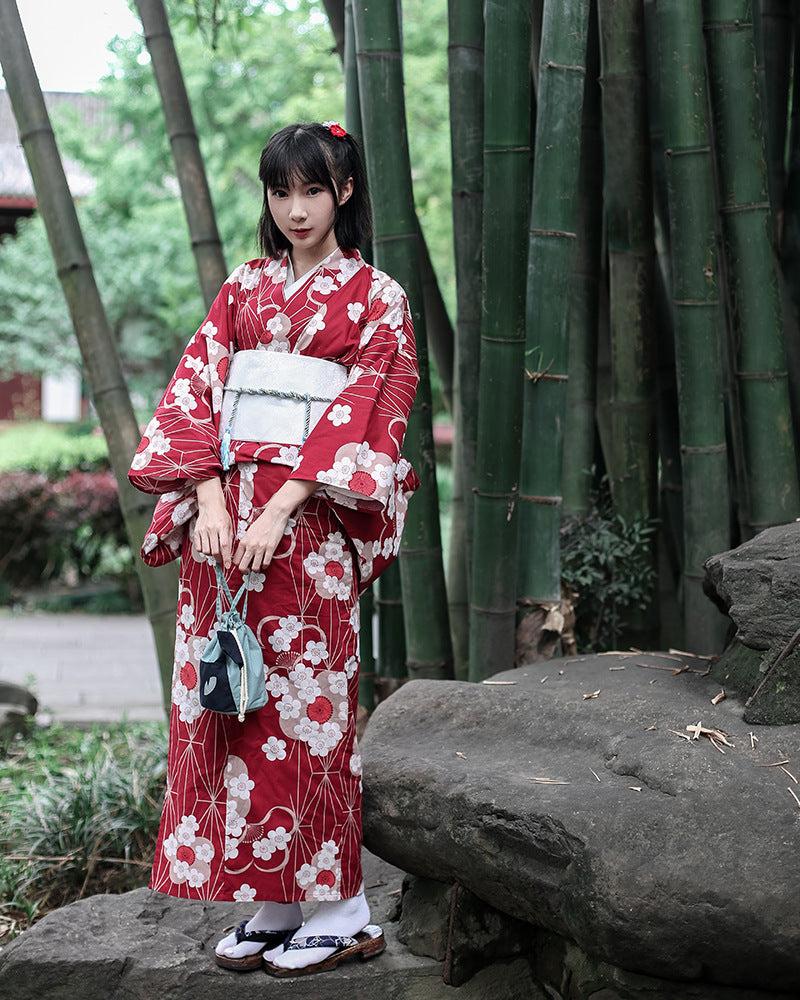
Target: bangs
{"points": [[298, 156]]}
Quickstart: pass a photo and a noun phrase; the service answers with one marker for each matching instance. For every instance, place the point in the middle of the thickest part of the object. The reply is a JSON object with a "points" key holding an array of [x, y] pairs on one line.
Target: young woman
{"points": [[268, 809]]}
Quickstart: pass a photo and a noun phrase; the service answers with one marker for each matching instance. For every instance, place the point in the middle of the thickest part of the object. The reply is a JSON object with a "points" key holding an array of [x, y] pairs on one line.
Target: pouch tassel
{"points": [[225, 448]]}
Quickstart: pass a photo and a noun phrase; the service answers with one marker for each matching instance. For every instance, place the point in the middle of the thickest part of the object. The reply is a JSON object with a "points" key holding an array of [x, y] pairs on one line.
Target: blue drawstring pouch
{"points": [[232, 677]]}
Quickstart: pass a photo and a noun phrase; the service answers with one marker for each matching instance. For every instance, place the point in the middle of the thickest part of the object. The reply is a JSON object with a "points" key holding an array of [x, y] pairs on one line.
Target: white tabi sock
{"points": [[271, 917], [340, 916]]}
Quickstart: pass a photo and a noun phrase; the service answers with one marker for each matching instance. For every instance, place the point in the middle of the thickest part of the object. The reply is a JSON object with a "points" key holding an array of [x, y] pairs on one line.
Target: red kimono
{"points": [[270, 808]]}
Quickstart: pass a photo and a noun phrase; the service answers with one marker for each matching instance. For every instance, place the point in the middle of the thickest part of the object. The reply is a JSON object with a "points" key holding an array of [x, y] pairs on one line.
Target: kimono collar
{"points": [[331, 260]]}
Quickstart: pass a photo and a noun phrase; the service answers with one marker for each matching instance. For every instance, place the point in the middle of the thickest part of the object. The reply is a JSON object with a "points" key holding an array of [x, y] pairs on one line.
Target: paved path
{"points": [[82, 667]]}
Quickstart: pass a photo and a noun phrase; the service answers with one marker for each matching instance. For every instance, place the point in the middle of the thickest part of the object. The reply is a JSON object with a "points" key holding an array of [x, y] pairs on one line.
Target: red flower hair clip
{"points": [[335, 129]]}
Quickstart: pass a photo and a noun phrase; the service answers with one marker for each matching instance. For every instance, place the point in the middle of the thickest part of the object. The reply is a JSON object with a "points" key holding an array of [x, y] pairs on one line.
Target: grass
{"points": [[81, 811]]}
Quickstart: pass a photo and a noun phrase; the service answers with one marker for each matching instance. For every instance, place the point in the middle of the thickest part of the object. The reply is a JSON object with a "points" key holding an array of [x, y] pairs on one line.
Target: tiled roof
{"points": [[15, 178]]}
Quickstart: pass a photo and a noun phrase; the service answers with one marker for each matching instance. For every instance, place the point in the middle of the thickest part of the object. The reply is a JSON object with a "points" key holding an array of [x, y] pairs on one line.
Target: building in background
{"points": [[23, 396]]}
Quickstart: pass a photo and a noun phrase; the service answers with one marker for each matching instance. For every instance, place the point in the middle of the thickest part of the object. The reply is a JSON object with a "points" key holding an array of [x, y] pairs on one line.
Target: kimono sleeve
{"points": [[180, 444], [354, 449]]}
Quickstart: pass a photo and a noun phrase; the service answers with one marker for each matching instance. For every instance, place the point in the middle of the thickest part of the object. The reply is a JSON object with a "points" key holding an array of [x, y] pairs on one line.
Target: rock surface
{"points": [[144, 945], [758, 585], [659, 856]]}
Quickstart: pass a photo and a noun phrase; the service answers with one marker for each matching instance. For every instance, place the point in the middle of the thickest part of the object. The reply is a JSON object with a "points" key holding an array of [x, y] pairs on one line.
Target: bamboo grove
{"points": [[626, 229]]}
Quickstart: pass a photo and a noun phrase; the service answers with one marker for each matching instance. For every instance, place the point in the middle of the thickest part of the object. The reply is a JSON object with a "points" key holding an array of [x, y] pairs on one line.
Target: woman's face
{"points": [[304, 213]]}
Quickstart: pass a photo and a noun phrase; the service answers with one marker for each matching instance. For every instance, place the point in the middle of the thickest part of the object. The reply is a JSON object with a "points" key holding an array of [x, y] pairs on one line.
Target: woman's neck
{"points": [[304, 260]]}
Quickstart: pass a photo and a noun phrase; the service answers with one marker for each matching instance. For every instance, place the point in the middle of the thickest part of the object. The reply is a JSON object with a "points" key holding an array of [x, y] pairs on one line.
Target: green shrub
{"points": [[605, 560], [52, 449], [74, 522]]}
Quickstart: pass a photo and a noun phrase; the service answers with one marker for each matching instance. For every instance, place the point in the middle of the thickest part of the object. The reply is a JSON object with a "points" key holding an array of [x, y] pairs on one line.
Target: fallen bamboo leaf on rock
{"points": [[789, 790], [698, 730], [460, 754], [718, 697], [776, 763], [789, 773], [595, 773], [683, 736], [635, 788], [498, 682], [593, 694], [549, 781], [696, 656]]}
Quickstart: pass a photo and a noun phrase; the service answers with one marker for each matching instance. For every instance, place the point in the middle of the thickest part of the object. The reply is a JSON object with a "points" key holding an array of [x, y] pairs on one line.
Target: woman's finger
{"points": [[247, 556], [226, 545], [258, 556]]}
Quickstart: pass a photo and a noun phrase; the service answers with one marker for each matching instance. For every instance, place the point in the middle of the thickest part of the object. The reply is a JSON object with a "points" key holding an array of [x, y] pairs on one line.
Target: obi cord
{"points": [[305, 397]]}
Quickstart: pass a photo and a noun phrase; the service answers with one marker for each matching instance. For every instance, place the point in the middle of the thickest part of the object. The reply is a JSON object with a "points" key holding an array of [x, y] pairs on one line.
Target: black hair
{"points": [[308, 152]]}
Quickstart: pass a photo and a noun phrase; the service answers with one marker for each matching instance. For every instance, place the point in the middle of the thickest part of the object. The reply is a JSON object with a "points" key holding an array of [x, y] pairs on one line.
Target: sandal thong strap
{"points": [[266, 937], [321, 941]]}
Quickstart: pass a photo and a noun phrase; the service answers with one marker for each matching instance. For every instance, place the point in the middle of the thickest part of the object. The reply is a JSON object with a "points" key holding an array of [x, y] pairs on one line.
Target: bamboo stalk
{"points": [[629, 220], [579, 424], [96, 340], [465, 73], [352, 117], [790, 232], [380, 78], [185, 146], [772, 36], [670, 534], [698, 318], [551, 258], [507, 105], [755, 307]]}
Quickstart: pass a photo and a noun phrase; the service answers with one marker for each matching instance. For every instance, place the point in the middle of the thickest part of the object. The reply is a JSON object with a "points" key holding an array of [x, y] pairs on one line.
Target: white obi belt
{"points": [[276, 396]]}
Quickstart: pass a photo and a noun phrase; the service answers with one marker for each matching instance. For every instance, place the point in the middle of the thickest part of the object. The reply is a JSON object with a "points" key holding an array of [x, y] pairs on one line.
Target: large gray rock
{"points": [[448, 922], [143, 945], [758, 585], [659, 856]]}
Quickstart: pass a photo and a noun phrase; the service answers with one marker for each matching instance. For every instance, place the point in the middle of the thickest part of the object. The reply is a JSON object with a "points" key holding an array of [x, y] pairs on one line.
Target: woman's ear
{"points": [[347, 190]]}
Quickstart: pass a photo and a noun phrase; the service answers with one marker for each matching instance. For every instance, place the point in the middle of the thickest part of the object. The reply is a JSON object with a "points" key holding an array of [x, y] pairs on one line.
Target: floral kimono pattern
{"points": [[270, 808]]}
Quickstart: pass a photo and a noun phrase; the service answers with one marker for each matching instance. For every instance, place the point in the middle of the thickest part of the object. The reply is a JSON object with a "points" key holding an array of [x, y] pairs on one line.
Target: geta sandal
{"points": [[366, 944], [272, 941]]}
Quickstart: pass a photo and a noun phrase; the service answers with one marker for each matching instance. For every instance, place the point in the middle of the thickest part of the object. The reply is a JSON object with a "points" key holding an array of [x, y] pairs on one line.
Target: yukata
{"points": [[270, 808]]}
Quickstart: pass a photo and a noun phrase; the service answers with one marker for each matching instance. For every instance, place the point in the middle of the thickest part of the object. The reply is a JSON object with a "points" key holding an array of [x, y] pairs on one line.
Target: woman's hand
{"points": [[257, 545], [213, 530]]}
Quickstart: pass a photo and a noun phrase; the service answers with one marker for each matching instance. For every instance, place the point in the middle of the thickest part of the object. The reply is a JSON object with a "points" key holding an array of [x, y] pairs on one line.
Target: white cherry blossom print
{"points": [[246, 276], [324, 284], [354, 311], [316, 651], [238, 787], [244, 894], [331, 568], [340, 414], [274, 748], [185, 675], [189, 855], [275, 336], [321, 878], [319, 709]]}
